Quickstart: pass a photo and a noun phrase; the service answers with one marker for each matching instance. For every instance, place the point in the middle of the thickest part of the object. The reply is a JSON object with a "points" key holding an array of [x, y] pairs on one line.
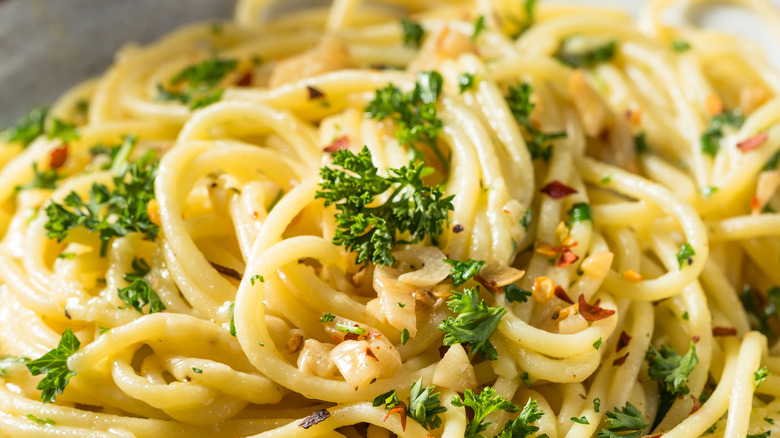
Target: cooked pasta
{"points": [[411, 218]]}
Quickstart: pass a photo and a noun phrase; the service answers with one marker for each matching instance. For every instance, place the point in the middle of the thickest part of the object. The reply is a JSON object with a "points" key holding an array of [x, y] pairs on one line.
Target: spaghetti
{"points": [[365, 218]]}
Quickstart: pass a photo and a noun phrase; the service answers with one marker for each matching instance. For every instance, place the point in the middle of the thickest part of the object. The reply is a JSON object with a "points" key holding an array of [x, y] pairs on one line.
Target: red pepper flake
{"points": [[314, 93], [315, 418], [695, 339], [623, 341], [245, 80], [338, 144], [593, 312], [557, 190], [255, 215], [457, 228], [696, 404], [351, 336], [370, 353], [724, 331], [400, 409], [230, 272], [752, 142], [620, 361], [58, 156], [755, 204], [561, 294], [567, 257], [492, 286]]}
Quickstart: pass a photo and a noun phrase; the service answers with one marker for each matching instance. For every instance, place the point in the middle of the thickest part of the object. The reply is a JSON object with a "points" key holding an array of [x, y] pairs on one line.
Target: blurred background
{"points": [[47, 46]]}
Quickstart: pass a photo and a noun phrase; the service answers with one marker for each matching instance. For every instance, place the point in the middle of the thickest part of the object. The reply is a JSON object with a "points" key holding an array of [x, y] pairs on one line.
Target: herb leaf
{"points": [[414, 113], [465, 82], [461, 272], [413, 33], [412, 207], [685, 254], [27, 128], [63, 130], [55, 365], [109, 213], [588, 58], [760, 376], [41, 180], [474, 324], [201, 81], [671, 371], [425, 407], [519, 101], [516, 294], [579, 212], [761, 310], [710, 139], [479, 26], [483, 404], [628, 421], [138, 294], [522, 426]]}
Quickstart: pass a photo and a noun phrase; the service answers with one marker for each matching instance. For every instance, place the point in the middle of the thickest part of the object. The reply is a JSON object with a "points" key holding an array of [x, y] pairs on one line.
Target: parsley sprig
{"points": [[413, 212], [763, 311], [538, 143], [671, 371], [461, 272], [111, 213], [27, 128], [46, 179], [139, 293], [623, 423], [710, 139], [424, 405], [201, 83], [487, 402], [414, 113], [585, 58], [55, 365], [474, 324]]}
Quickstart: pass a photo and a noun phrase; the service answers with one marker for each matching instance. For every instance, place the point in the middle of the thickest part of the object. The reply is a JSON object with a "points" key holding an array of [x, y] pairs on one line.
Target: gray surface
{"points": [[47, 46]]}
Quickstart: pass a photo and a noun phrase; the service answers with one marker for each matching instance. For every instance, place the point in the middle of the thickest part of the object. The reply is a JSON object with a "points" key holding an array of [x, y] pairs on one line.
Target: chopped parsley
{"points": [[685, 253], [350, 329], [596, 404], [413, 33], [580, 420], [516, 294], [232, 327], [762, 310], [483, 404], [55, 365], [680, 46], [117, 154], [41, 421], [479, 26], [63, 130], [671, 372], [424, 405], [710, 139], [461, 272], [138, 294], [526, 220], [197, 370], [465, 82], [760, 376], [111, 213], [327, 317], [624, 423], [759, 435], [414, 113], [538, 143], [201, 81], [405, 336], [522, 426], [256, 278], [597, 344], [588, 58], [41, 180], [27, 128], [579, 212], [474, 324], [413, 208], [640, 144]]}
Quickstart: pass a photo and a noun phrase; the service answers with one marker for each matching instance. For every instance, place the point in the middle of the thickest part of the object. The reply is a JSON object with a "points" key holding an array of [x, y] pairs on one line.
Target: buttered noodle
{"points": [[242, 237]]}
